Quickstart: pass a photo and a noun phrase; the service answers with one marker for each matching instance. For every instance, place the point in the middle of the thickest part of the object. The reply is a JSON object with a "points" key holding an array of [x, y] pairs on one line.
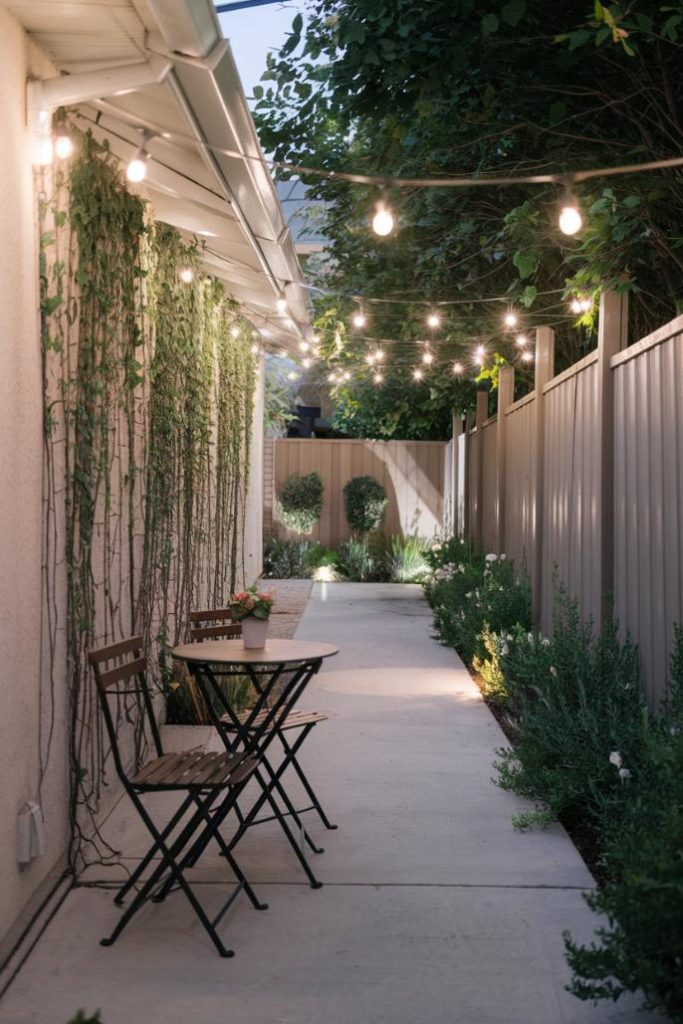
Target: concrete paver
{"points": [[434, 910]]}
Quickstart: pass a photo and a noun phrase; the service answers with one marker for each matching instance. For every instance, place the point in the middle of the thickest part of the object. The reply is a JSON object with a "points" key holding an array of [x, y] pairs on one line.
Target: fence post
{"points": [[612, 337], [506, 396], [482, 416], [544, 371], [467, 525], [455, 472]]}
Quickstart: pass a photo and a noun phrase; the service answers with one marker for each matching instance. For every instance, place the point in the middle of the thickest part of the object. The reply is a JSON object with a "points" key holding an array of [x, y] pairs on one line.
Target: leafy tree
{"points": [[491, 88]]}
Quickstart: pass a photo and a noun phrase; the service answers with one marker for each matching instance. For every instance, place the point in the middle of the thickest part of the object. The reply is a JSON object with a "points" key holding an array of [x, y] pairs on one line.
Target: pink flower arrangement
{"points": [[254, 602]]}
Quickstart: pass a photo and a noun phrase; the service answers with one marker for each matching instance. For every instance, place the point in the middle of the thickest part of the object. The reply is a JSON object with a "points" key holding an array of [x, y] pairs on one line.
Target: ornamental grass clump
{"points": [[365, 501], [406, 560], [300, 501]]}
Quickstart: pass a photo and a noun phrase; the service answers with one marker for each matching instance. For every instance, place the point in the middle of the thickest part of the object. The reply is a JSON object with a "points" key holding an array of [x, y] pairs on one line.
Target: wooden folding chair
{"points": [[217, 624], [204, 778]]}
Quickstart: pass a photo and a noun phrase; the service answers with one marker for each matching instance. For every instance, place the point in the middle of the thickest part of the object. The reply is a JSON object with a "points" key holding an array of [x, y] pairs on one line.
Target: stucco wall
{"points": [[21, 703], [253, 533]]}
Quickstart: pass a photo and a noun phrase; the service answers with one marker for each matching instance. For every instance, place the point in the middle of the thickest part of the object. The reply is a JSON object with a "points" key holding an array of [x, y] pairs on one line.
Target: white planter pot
{"points": [[254, 631]]}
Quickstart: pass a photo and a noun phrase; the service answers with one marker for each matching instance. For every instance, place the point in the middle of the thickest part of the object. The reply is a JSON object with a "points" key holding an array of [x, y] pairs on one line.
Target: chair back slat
{"points": [[120, 672], [132, 645], [213, 623]]}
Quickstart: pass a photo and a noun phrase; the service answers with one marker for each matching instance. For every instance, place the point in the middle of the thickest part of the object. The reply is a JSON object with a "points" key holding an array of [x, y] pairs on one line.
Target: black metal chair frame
{"points": [[265, 721], [177, 851]]}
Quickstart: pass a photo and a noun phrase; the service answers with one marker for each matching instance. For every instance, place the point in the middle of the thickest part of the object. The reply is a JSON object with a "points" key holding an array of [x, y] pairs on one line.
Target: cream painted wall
{"points": [[21, 703]]}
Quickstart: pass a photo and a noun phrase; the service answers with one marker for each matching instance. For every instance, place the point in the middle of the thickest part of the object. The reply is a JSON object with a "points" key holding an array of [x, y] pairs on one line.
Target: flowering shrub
{"points": [[257, 603]]}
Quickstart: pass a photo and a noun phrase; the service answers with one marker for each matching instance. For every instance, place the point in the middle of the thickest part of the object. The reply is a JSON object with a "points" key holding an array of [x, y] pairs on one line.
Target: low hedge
{"points": [[586, 749]]}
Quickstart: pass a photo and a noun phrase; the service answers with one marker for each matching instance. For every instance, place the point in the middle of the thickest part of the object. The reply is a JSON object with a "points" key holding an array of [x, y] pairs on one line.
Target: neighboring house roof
{"points": [[197, 109]]}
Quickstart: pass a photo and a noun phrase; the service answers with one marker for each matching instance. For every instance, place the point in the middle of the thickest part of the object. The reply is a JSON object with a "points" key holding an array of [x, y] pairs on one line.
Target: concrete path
{"points": [[434, 910]]}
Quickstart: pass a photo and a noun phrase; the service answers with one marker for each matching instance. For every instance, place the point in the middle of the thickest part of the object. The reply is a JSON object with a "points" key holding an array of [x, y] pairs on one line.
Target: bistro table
{"points": [[279, 674]]}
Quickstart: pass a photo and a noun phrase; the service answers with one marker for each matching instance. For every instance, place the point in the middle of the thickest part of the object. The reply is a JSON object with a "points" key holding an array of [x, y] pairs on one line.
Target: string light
{"points": [[136, 170], [307, 363], [304, 346], [281, 305], [186, 275], [378, 378], [346, 375], [521, 340], [433, 320], [370, 359], [255, 350], [359, 319], [383, 220], [570, 220], [510, 319], [64, 146], [527, 356], [379, 355], [480, 353], [458, 368], [332, 378], [418, 374], [235, 331], [292, 375], [428, 358]]}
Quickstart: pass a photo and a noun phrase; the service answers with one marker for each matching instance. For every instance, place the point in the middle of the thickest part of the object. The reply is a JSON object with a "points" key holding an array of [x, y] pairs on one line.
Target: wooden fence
{"points": [[412, 472], [582, 480]]}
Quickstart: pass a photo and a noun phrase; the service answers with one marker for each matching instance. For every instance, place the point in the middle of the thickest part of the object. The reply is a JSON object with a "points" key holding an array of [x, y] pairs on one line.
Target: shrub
{"points": [[641, 947], [294, 559], [365, 500], [406, 560], [300, 501], [357, 562]]}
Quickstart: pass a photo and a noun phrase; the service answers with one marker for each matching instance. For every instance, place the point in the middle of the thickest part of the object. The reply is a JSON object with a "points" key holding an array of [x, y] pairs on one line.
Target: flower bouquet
{"points": [[252, 608]]}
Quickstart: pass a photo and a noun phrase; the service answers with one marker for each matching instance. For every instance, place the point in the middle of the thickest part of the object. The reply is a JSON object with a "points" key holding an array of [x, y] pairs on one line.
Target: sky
{"points": [[254, 31]]}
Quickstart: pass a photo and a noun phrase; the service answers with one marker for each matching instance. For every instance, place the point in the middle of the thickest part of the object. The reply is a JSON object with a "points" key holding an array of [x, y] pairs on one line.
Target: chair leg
{"points": [[169, 863], [237, 871], [304, 781], [154, 848]]}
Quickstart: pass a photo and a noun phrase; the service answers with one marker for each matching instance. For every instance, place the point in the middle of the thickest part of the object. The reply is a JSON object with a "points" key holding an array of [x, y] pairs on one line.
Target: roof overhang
{"points": [[162, 67]]}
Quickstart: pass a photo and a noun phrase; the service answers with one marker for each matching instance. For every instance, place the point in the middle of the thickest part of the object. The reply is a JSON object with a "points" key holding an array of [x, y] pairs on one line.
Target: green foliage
{"points": [[406, 560], [294, 559], [471, 593], [300, 501], [81, 1018], [358, 563], [438, 88], [365, 501]]}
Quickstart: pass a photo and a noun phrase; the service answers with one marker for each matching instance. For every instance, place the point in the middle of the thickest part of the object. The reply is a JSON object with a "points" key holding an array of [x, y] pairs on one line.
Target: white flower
{"points": [[553, 670], [492, 558], [436, 547], [624, 773], [674, 730], [545, 641], [616, 759], [468, 596], [509, 636], [530, 637], [504, 649], [461, 568], [502, 557]]}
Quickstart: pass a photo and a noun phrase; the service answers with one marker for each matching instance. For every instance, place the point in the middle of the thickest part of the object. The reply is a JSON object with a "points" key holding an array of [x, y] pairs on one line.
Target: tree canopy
{"points": [[480, 88]]}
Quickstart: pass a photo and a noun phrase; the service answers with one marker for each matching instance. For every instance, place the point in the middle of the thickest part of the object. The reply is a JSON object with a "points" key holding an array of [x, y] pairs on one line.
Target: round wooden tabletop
{"points": [[276, 652]]}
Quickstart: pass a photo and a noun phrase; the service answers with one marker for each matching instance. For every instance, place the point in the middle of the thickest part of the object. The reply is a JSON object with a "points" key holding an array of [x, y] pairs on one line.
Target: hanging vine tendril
{"points": [[148, 403]]}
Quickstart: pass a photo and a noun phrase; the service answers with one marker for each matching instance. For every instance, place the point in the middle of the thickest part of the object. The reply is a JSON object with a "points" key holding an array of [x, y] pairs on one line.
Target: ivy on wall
{"points": [[148, 403]]}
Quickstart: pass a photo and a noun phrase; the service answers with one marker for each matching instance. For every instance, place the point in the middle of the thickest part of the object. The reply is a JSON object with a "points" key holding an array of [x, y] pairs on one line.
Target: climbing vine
{"points": [[148, 403]]}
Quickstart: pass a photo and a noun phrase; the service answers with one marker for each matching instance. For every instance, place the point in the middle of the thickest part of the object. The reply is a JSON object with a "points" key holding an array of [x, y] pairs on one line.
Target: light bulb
{"points": [[383, 220], [307, 363], [527, 357], [378, 378], [281, 306], [379, 355], [359, 319], [346, 375], [254, 350], [235, 331], [480, 352], [332, 378], [457, 368], [575, 306], [304, 346], [433, 320], [369, 359], [521, 340], [314, 339], [570, 220], [586, 305], [137, 168], [428, 358], [64, 147], [417, 374], [510, 319], [186, 275]]}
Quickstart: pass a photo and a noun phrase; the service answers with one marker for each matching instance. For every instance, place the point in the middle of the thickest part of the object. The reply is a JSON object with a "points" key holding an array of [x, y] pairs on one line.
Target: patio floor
{"points": [[434, 910]]}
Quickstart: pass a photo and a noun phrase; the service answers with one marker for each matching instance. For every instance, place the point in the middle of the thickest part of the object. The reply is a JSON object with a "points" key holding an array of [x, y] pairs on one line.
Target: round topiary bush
{"points": [[301, 500], [366, 501]]}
